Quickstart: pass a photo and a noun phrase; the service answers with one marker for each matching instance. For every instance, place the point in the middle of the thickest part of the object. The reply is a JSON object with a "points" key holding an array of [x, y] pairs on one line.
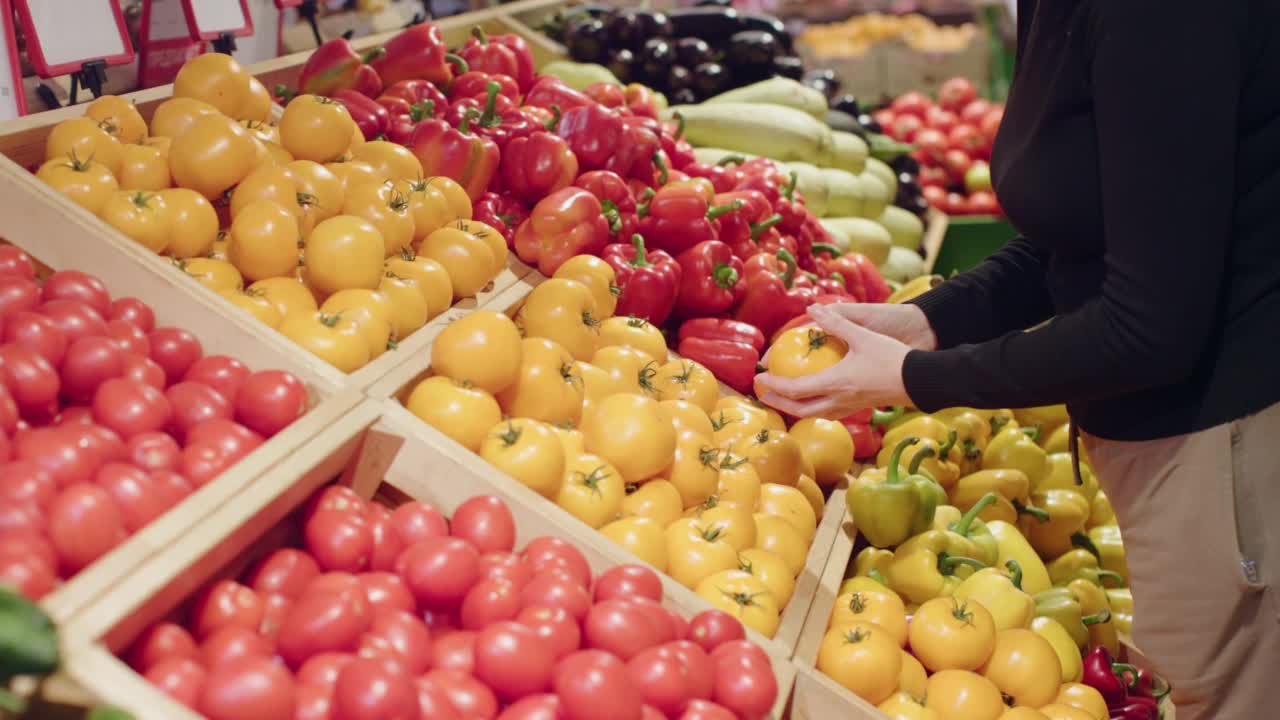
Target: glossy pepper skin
{"points": [[648, 280], [710, 281], [1011, 545], [865, 427], [723, 329], [891, 509], [506, 54], [724, 175], [872, 562], [678, 150], [606, 93], [549, 91], [605, 140], [1063, 531], [1101, 672], [680, 216], [1000, 591], [475, 84], [1080, 564], [924, 568], [1011, 486], [641, 100], [537, 165], [456, 153], [501, 212], [772, 298], [1062, 605], [496, 117], [968, 535], [1093, 601], [416, 91], [417, 53], [334, 66], [733, 363], [565, 223], [743, 230], [371, 117], [1015, 447]]}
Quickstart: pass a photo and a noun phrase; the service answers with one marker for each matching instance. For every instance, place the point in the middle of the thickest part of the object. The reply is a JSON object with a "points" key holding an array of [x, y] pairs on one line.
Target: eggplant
{"points": [[823, 80], [713, 24], [556, 25], [622, 63], [587, 40], [710, 79], [907, 193], [788, 66], [917, 205], [684, 96], [905, 166], [771, 25], [751, 53], [869, 123], [656, 59], [692, 51], [679, 78], [631, 28], [714, 3], [846, 104]]}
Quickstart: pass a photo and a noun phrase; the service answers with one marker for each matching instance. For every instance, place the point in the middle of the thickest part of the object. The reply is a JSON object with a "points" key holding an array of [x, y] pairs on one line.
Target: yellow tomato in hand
{"points": [[694, 469], [1025, 667], [963, 695], [950, 634], [636, 333], [213, 155], [288, 294], [628, 431], [371, 312], [743, 596], [119, 114], [696, 551], [828, 447], [193, 223], [175, 116], [687, 380], [217, 79], [875, 606], [657, 499], [789, 504], [737, 480], [771, 571], [781, 538], [862, 658], [592, 490], [630, 371], [564, 311], [263, 242], [427, 205], [328, 337], [343, 252], [547, 387], [87, 182], [685, 417], [601, 280], [642, 537], [84, 139], [483, 348], [459, 201], [430, 275], [140, 216], [322, 190], [256, 305], [464, 413], [528, 451], [316, 128], [804, 351], [144, 167], [391, 161], [408, 304], [466, 258], [386, 209], [267, 184], [257, 103]]}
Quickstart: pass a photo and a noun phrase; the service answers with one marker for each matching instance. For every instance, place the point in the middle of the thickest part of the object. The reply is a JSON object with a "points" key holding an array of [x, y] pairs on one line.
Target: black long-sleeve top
{"points": [[1139, 159]]}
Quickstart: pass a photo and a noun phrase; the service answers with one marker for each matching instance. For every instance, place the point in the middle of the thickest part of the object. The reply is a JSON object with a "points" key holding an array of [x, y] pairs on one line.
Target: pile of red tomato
{"points": [[107, 421], [404, 614]]}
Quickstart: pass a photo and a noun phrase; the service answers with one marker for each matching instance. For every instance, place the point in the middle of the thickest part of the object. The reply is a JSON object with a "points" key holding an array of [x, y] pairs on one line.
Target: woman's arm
{"points": [[1167, 182]]}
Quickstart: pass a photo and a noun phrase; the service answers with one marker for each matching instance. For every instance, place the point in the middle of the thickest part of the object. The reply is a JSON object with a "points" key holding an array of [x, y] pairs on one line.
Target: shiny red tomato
{"points": [[712, 628], [28, 544], [339, 540], [549, 552], [143, 370], [25, 481], [224, 374], [697, 665], [387, 544], [489, 601], [595, 685], [534, 707], [312, 702], [974, 111], [470, 697], [30, 576], [131, 489], [990, 125], [433, 701], [172, 485], [193, 403], [324, 621], [180, 678], [555, 589], [513, 660], [248, 688], [286, 572], [162, 641], [17, 293], [911, 103], [15, 262], [321, 669], [175, 350], [89, 362], [941, 119], [983, 202], [75, 285], [417, 521], [274, 609], [931, 143], [505, 566], [956, 93], [225, 603], [955, 204], [555, 625], [84, 524], [37, 332], [203, 462], [387, 591], [8, 411], [662, 680], [628, 581], [620, 628], [74, 318], [706, 710], [22, 516], [936, 195], [233, 643], [101, 444], [454, 650], [744, 686], [132, 409], [336, 497], [740, 651], [649, 712], [151, 451], [368, 690], [406, 634], [269, 400], [133, 311], [486, 522], [230, 437], [129, 337], [75, 415], [659, 617], [440, 571], [29, 378]]}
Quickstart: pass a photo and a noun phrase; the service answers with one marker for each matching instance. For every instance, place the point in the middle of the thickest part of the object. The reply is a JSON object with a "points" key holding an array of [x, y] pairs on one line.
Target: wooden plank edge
{"points": [[795, 614]]}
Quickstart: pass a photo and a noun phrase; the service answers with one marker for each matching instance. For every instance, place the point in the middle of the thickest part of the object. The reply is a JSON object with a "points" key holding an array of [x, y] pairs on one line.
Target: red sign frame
{"points": [[36, 53], [15, 64]]}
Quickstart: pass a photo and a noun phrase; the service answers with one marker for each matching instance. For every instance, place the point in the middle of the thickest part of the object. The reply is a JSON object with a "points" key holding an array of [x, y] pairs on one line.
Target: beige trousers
{"points": [[1200, 516]]}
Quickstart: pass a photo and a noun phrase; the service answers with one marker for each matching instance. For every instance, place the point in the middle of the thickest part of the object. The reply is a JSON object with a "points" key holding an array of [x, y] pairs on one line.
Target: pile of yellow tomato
{"points": [[338, 243], [593, 412]]}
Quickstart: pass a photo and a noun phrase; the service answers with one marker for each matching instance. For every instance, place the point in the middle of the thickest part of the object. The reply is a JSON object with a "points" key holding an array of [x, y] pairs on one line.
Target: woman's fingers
{"points": [[839, 325], [822, 382], [819, 407]]}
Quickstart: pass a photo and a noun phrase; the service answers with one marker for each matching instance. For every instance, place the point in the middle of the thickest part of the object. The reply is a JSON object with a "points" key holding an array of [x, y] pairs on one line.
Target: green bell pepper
{"points": [[891, 509]]}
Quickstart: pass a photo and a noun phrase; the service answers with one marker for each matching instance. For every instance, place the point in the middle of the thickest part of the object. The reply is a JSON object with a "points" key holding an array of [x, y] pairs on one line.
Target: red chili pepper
{"points": [[607, 94], [501, 212], [497, 118], [733, 363], [648, 280], [1136, 708], [565, 223], [711, 279], [1100, 673], [403, 124], [679, 217], [498, 58], [371, 117], [475, 84], [772, 298], [538, 165], [418, 53], [723, 329], [333, 66], [548, 91], [458, 153], [641, 100]]}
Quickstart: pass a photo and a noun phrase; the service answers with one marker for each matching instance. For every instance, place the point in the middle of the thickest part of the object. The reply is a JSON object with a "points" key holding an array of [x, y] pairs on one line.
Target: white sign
{"points": [[168, 21], [208, 19], [64, 34], [12, 103]]}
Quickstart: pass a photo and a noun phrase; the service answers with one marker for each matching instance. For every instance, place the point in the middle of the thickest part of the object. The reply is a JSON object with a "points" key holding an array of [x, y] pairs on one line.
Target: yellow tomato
{"points": [[408, 304], [328, 337], [528, 451], [775, 455], [175, 116], [628, 431], [880, 607], [193, 223], [950, 634], [120, 115], [391, 161], [1024, 713], [144, 167], [268, 183], [729, 425], [258, 306], [464, 413], [276, 154], [685, 417], [265, 132], [804, 351], [319, 186], [694, 469], [564, 311], [316, 128], [828, 447], [257, 103], [906, 705], [491, 237], [640, 536], [743, 596], [386, 209], [466, 258], [430, 275], [343, 252], [1025, 667], [696, 551], [140, 216], [459, 201], [371, 312], [428, 206], [263, 242], [737, 480], [213, 155], [84, 139], [962, 695], [87, 182], [217, 79], [592, 490], [789, 504], [571, 440], [601, 280], [483, 348], [547, 387], [862, 658], [687, 380], [636, 333], [1058, 711], [813, 494], [780, 538], [353, 173], [218, 249], [288, 294], [629, 370], [596, 384], [913, 678], [734, 521], [657, 499], [1082, 697], [771, 571], [772, 419]]}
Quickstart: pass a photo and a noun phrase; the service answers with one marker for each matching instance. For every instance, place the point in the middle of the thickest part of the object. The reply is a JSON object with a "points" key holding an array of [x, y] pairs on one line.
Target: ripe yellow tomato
{"points": [[737, 480], [736, 524], [343, 252], [640, 536], [213, 155], [595, 384], [600, 279], [217, 275], [1082, 697], [913, 678], [743, 596], [371, 313], [1026, 713], [466, 258], [696, 551], [685, 417], [906, 705], [266, 132], [276, 154], [571, 440], [268, 183], [694, 469], [775, 455], [87, 182], [386, 209], [788, 503], [144, 167], [628, 431], [687, 380], [121, 116], [772, 419], [353, 172], [657, 499], [528, 451], [592, 490], [1059, 711], [175, 116], [140, 216], [257, 103], [828, 447], [322, 190], [263, 242], [1025, 667], [428, 206], [84, 139], [564, 311], [316, 128], [288, 294], [193, 223], [328, 337], [963, 694], [771, 571], [357, 139], [256, 304], [636, 333], [391, 161], [950, 634], [491, 237], [408, 304], [875, 606], [464, 413], [431, 276], [862, 658], [804, 351], [547, 387], [813, 494], [730, 425], [629, 370], [781, 538], [217, 79], [459, 200], [483, 348]]}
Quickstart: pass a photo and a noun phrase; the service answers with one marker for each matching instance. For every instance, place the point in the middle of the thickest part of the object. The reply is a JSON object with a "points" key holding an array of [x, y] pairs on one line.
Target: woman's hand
{"points": [[870, 375]]}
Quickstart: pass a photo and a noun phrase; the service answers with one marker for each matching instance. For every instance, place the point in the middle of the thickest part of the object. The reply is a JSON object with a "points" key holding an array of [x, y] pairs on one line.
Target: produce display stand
{"points": [[379, 453], [935, 234], [969, 239]]}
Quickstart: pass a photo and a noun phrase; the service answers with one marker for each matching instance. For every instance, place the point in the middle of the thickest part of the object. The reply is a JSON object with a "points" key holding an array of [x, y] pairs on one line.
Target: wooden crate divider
{"points": [[377, 454]]}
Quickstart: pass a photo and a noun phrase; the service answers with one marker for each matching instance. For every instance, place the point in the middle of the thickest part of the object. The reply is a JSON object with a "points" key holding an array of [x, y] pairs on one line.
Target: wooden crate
{"points": [[377, 454]]}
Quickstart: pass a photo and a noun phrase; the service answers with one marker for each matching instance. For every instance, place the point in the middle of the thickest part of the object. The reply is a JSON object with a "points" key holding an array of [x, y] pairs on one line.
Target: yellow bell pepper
{"points": [[902, 416], [1081, 564], [1012, 486], [1062, 476], [1093, 601], [1000, 592], [1011, 545], [1062, 605], [998, 419], [1120, 599], [1057, 441], [921, 426], [973, 432], [1048, 418], [1016, 449], [1100, 512], [1123, 623], [871, 562], [924, 567], [1068, 511], [1111, 555], [936, 459], [1065, 648], [969, 536]]}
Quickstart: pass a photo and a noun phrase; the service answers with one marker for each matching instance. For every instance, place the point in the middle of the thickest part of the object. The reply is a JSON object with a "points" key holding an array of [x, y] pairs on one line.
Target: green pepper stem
{"points": [[479, 34], [962, 526], [724, 275], [921, 455], [998, 422], [877, 576], [826, 248], [1032, 432], [947, 563], [1122, 669], [789, 190], [11, 704], [373, 54], [639, 260], [946, 448], [679, 116], [1016, 570], [880, 418], [489, 118], [716, 211], [460, 66], [464, 127], [424, 110], [757, 228], [838, 278], [1080, 540], [892, 476], [1035, 512], [1098, 618], [663, 173], [789, 275], [1108, 575], [554, 122], [609, 209], [731, 160]]}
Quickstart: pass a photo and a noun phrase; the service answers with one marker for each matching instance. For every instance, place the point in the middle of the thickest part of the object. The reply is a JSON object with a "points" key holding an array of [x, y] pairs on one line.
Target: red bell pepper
{"points": [[648, 280], [733, 363], [333, 66], [803, 318], [416, 91], [711, 279], [538, 165], [722, 175], [368, 82], [771, 241], [869, 281], [456, 153], [404, 124], [371, 117], [832, 284], [547, 118], [615, 197], [723, 329], [641, 100], [548, 91], [497, 56], [496, 118], [680, 217], [1101, 674], [604, 140], [772, 298], [525, 74], [606, 93], [867, 429], [565, 223], [654, 171], [475, 84], [743, 230], [501, 212], [1136, 708], [418, 53]]}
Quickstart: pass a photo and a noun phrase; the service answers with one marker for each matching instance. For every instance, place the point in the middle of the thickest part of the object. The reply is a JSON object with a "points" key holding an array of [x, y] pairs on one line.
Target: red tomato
{"points": [[679, 624], [485, 521], [15, 262], [321, 670], [162, 641], [171, 485], [174, 350], [133, 311], [513, 660], [990, 125], [37, 332], [983, 202], [505, 566], [131, 490], [386, 591], [440, 571], [30, 576], [936, 195], [956, 93], [966, 139], [180, 678], [274, 608], [905, 127], [8, 411], [745, 687], [534, 707], [931, 176], [417, 521], [99, 443], [339, 541], [203, 462], [75, 285], [151, 451], [324, 621], [75, 319], [143, 370], [555, 625], [594, 685], [226, 603], [620, 628], [230, 437], [932, 143], [433, 701], [697, 664], [269, 400], [649, 712], [741, 651], [25, 481], [387, 544], [75, 415], [470, 697], [129, 337], [248, 688], [455, 650], [89, 362], [222, 373], [131, 409], [29, 378], [940, 119], [659, 617], [911, 103], [885, 118], [662, 680], [18, 293], [955, 204], [367, 690], [711, 628], [628, 581], [974, 111], [336, 497], [487, 602], [23, 516], [406, 635], [233, 643], [84, 525], [705, 710], [194, 403], [312, 702], [548, 552], [555, 589]]}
